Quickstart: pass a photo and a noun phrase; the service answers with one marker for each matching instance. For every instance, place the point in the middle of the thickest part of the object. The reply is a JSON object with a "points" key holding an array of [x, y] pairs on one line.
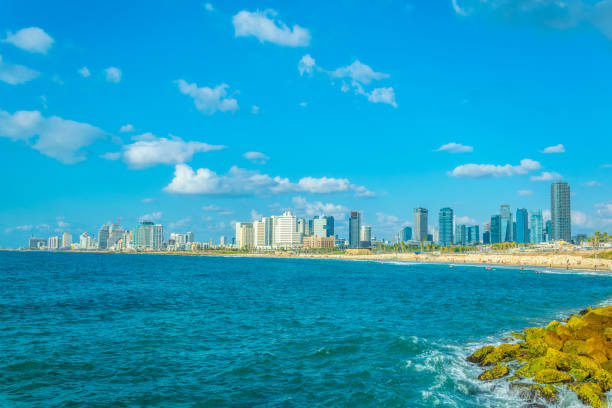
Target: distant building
{"points": [[473, 235], [365, 236], [506, 224], [54, 242], [354, 229], [103, 234], [536, 231], [149, 235], [461, 235], [37, 243], [66, 240], [486, 237], [560, 211], [223, 240], [522, 226], [245, 236], [86, 241], [323, 226], [406, 234], [420, 224], [315, 241], [548, 231], [445, 225], [189, 237], [496, 233], [115, 234], [286, 234], [579, 239]]}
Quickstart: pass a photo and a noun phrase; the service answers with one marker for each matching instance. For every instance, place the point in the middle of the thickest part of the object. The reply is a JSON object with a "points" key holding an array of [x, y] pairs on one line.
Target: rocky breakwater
{"points": [[575, 353]]}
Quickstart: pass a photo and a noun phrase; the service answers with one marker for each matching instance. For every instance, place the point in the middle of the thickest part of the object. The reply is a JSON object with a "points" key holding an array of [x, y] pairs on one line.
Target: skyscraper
{"points": [[522, 226], [66, 240], [286, 234], [354, 229], [461, 234], [536, 230], [406, 234], [495, 233], [323, 226], [365, 236], [560, 211], [420, 224], [149, 235], [474, 234], [506, 226], [103, 234], [445, 223]]}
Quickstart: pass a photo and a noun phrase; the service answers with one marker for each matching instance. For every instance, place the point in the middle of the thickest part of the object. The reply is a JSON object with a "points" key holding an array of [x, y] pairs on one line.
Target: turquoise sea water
{"points": [[180, 331]]}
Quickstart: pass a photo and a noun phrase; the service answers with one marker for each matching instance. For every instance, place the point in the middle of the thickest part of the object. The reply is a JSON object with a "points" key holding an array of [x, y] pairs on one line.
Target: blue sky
{"points": [[200, 114]]}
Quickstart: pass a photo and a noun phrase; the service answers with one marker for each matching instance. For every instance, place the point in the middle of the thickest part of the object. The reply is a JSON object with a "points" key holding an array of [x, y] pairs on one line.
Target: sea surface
{"points": [[81, 330]]}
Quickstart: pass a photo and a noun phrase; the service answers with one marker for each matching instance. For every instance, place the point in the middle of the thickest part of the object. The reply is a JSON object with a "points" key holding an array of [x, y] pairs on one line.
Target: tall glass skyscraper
{"points": [[420, 224], [522, 226], [354, 229], [560, 211], [506, 223], [406, 234], [323, 226], [537, 233], [495, 233], [445, 224]]}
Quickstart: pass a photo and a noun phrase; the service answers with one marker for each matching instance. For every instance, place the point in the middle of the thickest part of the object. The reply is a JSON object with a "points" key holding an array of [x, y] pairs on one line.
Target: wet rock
{"points": [[494, 373], [501, 352], [589, 394], [480, 354], [533, 392], [551, 376]]}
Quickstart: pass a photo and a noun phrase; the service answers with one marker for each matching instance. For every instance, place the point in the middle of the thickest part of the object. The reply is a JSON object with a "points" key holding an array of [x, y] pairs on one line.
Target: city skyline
{"points": [[327, 117]]}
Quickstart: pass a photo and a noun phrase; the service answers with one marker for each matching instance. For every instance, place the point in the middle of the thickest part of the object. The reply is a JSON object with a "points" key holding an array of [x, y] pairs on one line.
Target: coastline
{"points": [[557, 261]]}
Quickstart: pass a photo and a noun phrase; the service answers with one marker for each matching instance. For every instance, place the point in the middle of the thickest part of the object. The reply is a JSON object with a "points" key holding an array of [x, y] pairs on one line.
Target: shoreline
{"points": [[557, 261]]}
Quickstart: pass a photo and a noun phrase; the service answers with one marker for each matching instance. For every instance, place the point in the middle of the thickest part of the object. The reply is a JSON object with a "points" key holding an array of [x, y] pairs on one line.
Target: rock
{"points": [[551, 376], [607, 365], [531, 392], [553, 326], [553, 340], [533, 333], [517, 335], [585, 311], [534, 348], [603, 379], [480, 354], [575, 347], [534, 366], [590, 394], [578, 374], [494, 373], [501, 352]]}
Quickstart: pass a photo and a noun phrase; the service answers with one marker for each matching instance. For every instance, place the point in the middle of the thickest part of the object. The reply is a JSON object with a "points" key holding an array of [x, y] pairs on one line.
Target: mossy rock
{"points": [[602, 317], [553, 326], [534, 348], [590, 394], [603, 378], [577, 347], [553, 340], [534, 366], [578, 374], [479, 355], [531, 392], [519, 336], [533, 333], [552, 376], [501, 352], [494, 373], [607, 365], [513, 378]]}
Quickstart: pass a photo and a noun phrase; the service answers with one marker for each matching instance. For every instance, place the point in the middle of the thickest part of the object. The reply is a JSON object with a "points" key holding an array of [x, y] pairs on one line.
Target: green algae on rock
{"points": [[576, 354]]}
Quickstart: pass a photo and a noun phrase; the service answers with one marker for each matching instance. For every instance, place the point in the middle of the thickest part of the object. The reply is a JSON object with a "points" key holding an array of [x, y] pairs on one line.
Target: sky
{"points": [[200, 114]]}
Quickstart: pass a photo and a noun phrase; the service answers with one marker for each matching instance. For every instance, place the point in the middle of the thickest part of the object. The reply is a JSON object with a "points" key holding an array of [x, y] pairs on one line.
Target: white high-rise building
{"points": [[223, 241], [259, 234], [66, 240], [365, 234], [286, 233], [54, 242], [149, 236], [244, 235], [85, 241]]}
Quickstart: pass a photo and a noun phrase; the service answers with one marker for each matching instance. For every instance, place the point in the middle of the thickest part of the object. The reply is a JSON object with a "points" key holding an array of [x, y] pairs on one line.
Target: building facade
{"points": [[420, 224], [560, 211], [536, 229], [354, 229], [522, 226], [445, 225], [506, 224], [149, 235], [315, 242], [495, 232]]}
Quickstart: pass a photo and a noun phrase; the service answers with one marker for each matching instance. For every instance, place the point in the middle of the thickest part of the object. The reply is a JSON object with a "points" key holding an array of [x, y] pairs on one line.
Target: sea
{"points": [[137, 330]]}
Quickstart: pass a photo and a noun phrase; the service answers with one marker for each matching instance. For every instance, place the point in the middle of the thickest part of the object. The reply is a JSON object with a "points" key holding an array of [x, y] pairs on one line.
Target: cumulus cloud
{"points": [[147, 200], [254, 109], [248, 182], [126, 128], [256, 157], [152, 217], [593, 183], [266, 27], [310, 209], [354, 77], [113, 74], [149, 150], [465, 220], [387, 219], [209, 100], [112, 156], [306, 65], [524, 193], [31, 39], [546, 176], [14, 74], [84, 72], [61, 222], [554, 149], [58, 138], [604, 209], [472, 170], [209, 7], [455, 148]]}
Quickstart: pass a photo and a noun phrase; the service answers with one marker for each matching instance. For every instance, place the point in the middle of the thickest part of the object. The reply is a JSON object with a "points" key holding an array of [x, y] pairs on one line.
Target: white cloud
{"points": [[57, 138], [254, 109], [546, 215], [387, 219], [209, 7], [255, 215], [487, 170], [455, 148], [465, 220], [306, 65], [554, 149], [112, 156], [24, 227], [303, 104], [267, 28], [256, 157], [546, 176], [524, 193], [32, 39], [126, 128], [149, 150], [209, 100], [604, 209], [593, 183], [84, 72], [579, 218], [180, 224], [147, 200], [458, 9], [152, 217], [113, 74], [357, 74], [61, 222], [210, 207], [246, 182], [606, 166], [310, 209], [16, 74]]}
